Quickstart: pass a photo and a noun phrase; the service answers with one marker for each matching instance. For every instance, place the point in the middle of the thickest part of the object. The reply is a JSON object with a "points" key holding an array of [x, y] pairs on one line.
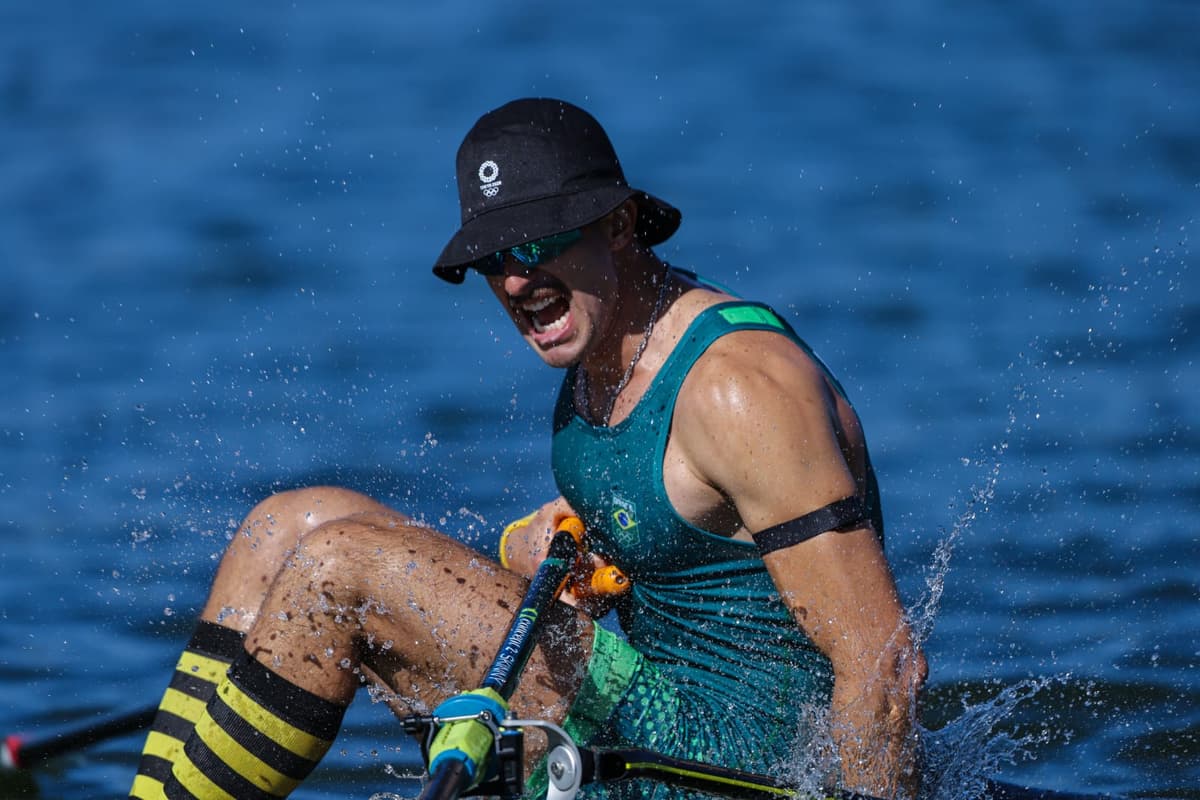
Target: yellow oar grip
{"points": [[468, 740]]}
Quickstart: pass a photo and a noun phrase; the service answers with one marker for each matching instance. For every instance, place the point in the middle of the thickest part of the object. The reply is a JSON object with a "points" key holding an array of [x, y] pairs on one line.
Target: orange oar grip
{"points": [[609, 580], [604, 581], [572, 525]]}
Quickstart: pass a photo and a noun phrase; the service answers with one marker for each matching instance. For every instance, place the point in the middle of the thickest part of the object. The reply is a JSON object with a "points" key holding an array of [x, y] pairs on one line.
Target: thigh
{"points": [[419, 610]]}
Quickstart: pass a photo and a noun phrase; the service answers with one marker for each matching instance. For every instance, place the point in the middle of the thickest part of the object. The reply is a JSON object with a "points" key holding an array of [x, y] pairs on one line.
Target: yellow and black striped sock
{"points": [[258, 738], [202, 666]]}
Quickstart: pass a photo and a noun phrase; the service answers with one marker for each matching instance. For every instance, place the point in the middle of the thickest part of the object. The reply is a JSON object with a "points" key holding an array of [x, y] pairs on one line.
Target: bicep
{"points": [[769, 442], [762, 429]]}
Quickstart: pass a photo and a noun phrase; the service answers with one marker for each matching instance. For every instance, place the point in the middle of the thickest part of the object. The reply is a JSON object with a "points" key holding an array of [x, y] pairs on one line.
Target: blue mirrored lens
{"points": [[530, 254]]}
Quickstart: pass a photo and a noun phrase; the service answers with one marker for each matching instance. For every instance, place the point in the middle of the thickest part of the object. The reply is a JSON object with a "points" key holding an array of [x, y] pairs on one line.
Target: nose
{"points": [[516, 275]]}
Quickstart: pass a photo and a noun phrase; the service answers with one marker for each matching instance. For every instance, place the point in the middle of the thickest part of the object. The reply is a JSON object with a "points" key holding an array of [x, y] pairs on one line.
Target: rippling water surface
{"points": [[216, 223]]}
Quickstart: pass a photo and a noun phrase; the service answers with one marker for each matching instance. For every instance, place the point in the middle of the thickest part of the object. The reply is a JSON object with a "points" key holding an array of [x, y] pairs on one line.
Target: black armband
{"points": [[838, 515]]}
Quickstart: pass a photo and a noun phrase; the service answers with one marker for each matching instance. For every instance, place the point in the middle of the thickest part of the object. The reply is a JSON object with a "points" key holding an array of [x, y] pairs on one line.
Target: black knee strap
{"points": [[838, 515]]}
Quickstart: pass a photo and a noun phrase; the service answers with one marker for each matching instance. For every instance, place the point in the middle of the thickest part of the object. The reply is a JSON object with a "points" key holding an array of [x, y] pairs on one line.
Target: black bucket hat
{"points": [[533, 168]]}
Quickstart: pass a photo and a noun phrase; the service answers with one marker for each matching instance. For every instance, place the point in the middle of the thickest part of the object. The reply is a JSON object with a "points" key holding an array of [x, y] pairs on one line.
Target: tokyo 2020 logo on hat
{"points": [[489, 178]]}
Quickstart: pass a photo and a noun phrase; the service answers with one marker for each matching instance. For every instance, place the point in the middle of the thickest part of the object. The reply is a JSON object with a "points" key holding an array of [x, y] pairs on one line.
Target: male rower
{"points": [[715, 461]]}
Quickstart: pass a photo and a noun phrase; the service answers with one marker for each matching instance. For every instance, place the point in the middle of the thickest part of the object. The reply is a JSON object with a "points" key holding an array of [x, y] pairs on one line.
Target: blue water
{"points": [[216, 223]]}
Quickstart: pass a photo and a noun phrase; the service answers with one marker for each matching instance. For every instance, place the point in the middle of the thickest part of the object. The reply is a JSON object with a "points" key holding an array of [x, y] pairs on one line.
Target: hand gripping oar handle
{"points": [[459, 751], [606, 581]]}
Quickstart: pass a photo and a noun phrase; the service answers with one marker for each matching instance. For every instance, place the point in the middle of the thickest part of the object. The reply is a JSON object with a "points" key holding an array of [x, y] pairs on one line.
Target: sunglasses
{"points": [[530, 254]]}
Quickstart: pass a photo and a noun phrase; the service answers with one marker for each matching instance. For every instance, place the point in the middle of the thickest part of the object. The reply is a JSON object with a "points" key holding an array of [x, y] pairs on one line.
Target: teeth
{"points": [[534, 306], [553, 326]]}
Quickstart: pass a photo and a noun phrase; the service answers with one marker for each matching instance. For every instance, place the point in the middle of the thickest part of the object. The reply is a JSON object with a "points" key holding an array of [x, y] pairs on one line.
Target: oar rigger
{"points": [[566, 765], [569, 767], [504, 766]]}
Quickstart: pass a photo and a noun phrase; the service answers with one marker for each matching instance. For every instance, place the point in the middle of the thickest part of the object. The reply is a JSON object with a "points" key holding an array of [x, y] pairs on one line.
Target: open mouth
{"points": [[547, 312]]}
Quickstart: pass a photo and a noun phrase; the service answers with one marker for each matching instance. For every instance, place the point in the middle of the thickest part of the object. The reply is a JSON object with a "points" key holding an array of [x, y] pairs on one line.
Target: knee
{"points": [[273, 528], [264, 543], [343, 559], [285, 516], [301, 510]]}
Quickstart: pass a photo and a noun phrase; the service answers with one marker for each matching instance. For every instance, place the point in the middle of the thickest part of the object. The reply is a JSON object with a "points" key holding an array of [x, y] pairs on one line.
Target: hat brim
{"points": [[510, 226]]}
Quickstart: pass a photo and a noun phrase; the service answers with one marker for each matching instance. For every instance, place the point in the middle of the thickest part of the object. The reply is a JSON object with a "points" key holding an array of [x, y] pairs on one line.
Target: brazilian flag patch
{"points": [[624, 518]]}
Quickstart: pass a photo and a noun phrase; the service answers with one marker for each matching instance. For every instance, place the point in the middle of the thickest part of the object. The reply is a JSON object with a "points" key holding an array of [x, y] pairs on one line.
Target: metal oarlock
{"points": [[564, 765]]}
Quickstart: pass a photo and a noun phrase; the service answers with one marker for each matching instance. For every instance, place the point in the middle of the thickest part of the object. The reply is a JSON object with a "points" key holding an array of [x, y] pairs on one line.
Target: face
{"points": [[563, 305]]}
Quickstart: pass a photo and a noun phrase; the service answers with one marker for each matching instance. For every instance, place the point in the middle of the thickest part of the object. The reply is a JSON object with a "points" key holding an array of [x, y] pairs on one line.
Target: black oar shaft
{"points": [[621, 764], [624, 763], [26, 751], [517, 647], [448, 782]]}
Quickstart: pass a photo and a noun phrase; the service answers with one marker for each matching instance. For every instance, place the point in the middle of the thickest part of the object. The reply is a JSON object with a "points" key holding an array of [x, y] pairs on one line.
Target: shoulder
{"points": [[755, 389], [742, 369], [754, 370], [754, 401]]}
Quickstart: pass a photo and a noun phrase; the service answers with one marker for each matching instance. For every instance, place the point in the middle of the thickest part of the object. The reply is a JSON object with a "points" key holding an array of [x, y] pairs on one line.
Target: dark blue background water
{"points": [[216, 223]]}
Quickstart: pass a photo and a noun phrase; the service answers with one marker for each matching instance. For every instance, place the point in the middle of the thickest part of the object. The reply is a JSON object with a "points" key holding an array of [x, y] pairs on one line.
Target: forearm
{"points": [[874, 725]]}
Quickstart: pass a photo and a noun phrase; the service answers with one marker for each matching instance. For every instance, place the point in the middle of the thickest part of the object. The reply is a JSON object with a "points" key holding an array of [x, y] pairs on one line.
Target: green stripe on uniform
{"points": [[750, 315]]}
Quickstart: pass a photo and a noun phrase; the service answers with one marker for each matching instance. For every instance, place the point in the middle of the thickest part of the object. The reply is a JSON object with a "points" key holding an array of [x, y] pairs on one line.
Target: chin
{"points": [[557, 357], [560, 352], [557, 354]]}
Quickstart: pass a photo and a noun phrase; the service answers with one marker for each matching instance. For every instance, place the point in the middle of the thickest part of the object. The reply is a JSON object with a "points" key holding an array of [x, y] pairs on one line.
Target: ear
{"points": [[623, 225]]}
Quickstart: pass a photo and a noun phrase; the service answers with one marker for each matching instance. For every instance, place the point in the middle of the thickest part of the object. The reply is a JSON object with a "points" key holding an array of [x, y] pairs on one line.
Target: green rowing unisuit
{"points": [[715, 668]]}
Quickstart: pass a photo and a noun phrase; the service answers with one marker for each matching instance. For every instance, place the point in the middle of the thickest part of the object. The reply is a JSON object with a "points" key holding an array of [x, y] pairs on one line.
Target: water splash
{"points": [[924, 611], [960, 757], [958, 760]]}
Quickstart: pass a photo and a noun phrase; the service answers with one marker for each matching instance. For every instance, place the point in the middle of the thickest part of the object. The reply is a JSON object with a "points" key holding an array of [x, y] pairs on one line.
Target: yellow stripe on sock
{"points": [[268, 724], [242, 761], [146, 788], [196, 782], [182, 705], [199, 666], [161, 745]]}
